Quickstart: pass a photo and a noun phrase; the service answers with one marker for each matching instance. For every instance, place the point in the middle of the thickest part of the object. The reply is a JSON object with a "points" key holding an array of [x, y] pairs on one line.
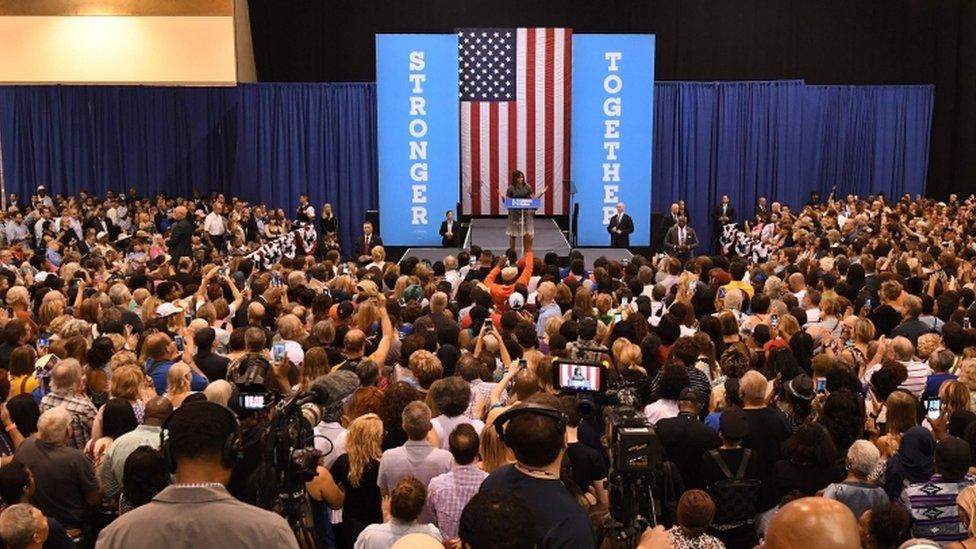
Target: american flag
{"points": [[515, 104]]}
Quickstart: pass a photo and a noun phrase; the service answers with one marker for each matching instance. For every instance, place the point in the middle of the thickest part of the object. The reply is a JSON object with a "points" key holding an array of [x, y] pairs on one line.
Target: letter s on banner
{"points": [[417, 134]]}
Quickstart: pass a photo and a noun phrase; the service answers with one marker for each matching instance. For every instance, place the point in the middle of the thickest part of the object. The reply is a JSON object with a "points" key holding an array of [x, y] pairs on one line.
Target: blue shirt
{"points": [[158, 370], [545, 314], [933, 382]]}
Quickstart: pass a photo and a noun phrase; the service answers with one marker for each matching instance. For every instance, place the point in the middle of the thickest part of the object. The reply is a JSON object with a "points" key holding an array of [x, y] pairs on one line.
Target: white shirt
{"points": [[214, 224], [660, 409], [337, 434], [444, 426], [454, 277]]}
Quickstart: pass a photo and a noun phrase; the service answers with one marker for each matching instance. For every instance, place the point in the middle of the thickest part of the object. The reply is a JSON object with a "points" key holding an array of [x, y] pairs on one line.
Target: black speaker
{"points": [[657, 235], [373, 216]]}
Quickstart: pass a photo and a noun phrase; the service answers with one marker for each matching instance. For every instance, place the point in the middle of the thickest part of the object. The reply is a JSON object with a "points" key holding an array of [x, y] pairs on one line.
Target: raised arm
{"points": [[383, 349]]}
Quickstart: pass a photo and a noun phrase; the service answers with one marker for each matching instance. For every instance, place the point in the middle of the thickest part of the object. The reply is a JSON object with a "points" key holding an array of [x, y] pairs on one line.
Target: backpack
{"points": [[736, 497]]}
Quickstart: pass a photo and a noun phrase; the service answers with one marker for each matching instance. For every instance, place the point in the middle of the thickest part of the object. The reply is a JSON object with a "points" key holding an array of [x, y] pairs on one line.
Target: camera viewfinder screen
{"points": [[581, 377]]}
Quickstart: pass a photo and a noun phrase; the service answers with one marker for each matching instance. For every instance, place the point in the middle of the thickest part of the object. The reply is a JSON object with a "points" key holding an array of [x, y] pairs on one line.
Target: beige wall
{"points": [[195, 50]]}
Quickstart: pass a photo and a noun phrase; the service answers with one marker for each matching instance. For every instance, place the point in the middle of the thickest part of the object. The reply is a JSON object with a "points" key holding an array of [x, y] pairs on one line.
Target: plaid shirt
{"points": [[449, 493], [82, 415]]}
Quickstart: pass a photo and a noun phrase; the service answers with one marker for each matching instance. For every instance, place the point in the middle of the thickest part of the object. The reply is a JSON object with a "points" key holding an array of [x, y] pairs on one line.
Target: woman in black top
{"points": [[810, 465], [350, 484], [329, 223]]}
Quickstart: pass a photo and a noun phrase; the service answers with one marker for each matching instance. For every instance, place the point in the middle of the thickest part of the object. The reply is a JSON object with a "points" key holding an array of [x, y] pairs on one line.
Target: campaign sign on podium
{"points": [[523, 203]]}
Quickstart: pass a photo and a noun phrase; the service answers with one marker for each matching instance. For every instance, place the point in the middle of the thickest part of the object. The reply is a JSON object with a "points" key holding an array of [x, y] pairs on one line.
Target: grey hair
{"points": [[18, 525], [52, 426], [65, 376], [862, 457], [416, 420]]}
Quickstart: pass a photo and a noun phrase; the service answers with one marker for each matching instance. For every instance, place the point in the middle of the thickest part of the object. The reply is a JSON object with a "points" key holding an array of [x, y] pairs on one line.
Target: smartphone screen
{"points": [[721, 293], [691, 285], [867, 303], [966, 323], [180, 344], [774, 321], [522, 364], [821, 385], [43, 342], [933, 408], [617, 317], [278, 351]]}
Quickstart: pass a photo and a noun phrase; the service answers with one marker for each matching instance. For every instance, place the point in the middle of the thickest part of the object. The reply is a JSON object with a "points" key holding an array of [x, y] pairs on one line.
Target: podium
{"points": [[522, 205]]}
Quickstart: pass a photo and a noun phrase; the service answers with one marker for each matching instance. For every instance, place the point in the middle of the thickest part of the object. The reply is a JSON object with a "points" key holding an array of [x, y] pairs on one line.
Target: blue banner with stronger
{"points": [[613, 116], [417, 135]]}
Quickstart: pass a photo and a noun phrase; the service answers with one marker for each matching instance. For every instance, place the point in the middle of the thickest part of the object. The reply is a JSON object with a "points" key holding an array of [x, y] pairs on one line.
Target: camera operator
{"points": [[197, 510], [536, 433], [253, 480]]}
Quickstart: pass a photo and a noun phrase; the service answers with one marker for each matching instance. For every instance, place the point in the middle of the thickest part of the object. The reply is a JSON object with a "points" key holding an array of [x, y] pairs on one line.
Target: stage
{"points": [[489, 234]]}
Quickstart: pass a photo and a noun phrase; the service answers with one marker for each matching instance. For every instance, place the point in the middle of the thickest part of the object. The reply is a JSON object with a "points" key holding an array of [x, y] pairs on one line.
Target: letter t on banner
{"points": [[417, 129], [613, 117]]}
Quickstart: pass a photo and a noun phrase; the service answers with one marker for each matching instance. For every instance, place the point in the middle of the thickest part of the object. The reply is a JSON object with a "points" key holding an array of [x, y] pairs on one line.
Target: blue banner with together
{"points": [[613, 116], [417, 135]]}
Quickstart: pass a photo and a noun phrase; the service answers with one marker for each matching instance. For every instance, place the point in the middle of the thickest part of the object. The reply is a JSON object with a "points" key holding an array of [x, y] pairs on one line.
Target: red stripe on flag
{"points": [[550, 49], [495, 153], [475, 137], [567, 102], [529, 167], [512, 140]]}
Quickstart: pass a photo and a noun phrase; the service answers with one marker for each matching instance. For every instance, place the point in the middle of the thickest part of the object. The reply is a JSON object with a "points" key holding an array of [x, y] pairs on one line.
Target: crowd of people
{"points": [[822, 397]]}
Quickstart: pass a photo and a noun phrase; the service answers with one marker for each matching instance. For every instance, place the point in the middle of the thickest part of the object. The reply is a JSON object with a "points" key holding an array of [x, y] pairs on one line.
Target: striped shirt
{"points": [[935, 515], [918, 373]]}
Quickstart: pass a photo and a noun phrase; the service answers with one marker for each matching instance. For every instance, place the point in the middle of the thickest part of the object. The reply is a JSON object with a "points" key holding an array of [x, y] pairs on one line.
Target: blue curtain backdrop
{"points": [[264, 143], [782, 140], [271, 142]]}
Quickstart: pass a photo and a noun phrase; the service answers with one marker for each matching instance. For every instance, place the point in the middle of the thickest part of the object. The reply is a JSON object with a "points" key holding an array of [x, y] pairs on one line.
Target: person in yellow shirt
{"points": [[738, 272], [22, 379]]}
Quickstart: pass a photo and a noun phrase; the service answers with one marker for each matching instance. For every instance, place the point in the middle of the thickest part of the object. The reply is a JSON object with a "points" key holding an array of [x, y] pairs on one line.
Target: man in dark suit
{"points": [[681, 240], [761, 209], [180, 236], [722, 215], [620, 227], [449, 231], [364, 244], [670, 219]]}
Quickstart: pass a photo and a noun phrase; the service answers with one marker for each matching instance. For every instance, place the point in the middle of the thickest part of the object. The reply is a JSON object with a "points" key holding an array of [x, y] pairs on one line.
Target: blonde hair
{"points": [[967, 372], [927, 343], [149, 308], [954, 395], [378, 254], [788, 326], [122, 359], [863, 330], [177, 378], [126, 382], [494, 452], [363, 444]]}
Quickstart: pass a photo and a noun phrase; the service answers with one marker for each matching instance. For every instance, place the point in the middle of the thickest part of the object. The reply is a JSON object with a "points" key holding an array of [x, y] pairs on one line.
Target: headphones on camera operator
{"points": [[529, 408], [233, 446]]}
